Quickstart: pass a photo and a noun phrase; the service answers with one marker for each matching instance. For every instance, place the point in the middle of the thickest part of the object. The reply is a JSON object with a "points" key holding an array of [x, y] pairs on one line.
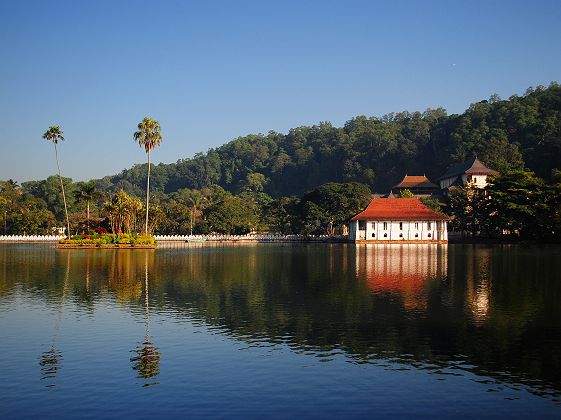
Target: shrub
{"points": [[107, 238]]}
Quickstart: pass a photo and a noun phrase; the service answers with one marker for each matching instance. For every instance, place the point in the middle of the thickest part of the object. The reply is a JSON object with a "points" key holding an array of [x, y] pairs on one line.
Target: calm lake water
{"points": [[254, 331]]}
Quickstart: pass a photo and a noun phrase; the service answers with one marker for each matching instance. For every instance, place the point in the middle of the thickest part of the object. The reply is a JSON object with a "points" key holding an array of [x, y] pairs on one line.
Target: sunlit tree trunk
{"points": [[147, 194], [63, 196]]}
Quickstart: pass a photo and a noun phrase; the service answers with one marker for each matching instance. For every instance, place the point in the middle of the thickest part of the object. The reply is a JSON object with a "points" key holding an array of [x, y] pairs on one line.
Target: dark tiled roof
{"points": [[473, 166], [415, 181], [398, 209]]}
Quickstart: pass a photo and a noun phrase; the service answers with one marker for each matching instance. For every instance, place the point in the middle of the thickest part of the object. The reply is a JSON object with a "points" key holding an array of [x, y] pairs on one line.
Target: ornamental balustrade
{"points": [[173, 238], [30, 238]]}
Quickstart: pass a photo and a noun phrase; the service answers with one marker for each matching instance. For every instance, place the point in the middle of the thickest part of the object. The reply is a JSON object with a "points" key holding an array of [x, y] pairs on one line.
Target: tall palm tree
{"points": [[87, 192], [149, 135], [55, 134]]}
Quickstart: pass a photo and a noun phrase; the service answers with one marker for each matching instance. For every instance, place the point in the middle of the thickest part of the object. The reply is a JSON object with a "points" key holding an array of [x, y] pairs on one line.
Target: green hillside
{"points": [[521, 131]]}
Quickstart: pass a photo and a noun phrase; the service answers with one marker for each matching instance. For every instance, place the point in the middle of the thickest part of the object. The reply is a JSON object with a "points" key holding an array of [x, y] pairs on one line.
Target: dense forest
{"points": [[519, 132], [313, 179]]}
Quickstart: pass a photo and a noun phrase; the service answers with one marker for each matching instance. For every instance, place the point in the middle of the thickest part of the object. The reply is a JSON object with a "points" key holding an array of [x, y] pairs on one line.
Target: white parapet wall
{"points": [[182, 238], [249, 237], [30, 238]]}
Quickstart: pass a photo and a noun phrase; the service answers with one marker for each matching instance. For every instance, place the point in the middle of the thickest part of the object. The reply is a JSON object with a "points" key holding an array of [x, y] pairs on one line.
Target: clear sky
{"points": [[210, 71]]}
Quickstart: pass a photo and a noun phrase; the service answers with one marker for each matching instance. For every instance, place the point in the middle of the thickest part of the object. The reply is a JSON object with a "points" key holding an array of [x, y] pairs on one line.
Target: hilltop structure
{"points": [[473, 173], [398, 220]]}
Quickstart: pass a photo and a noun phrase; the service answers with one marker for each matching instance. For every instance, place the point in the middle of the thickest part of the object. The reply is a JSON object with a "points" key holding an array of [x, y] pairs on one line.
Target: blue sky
{"points": [[211, 71]]}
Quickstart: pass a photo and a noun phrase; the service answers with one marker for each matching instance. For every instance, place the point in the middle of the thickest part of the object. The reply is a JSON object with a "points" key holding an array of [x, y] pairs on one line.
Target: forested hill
{"points": [[522, 131]]}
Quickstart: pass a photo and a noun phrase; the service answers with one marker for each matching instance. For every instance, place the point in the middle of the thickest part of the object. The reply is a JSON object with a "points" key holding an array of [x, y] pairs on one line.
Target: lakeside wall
{"points": [[184, 238]]}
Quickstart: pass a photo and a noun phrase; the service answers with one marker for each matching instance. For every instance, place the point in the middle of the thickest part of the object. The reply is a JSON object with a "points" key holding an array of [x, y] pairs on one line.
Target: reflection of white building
{"points": [[398, 220], [473, 173], [402, 270]]}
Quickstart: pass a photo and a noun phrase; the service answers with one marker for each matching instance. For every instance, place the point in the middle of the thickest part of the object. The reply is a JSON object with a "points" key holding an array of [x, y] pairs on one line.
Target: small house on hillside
{"points": [[398, 220], [419, 185], [473, 172]]}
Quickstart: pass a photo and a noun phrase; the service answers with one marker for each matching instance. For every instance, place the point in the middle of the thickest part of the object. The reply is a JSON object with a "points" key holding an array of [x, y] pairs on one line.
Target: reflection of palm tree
{"points": [[147, 359], [50, 360]]}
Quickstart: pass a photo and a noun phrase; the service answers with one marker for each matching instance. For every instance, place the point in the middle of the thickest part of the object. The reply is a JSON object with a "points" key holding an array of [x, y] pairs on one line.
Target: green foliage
{"points": [[233, 214], [109, 239], [124, 212], [432, 203], [23, 214], [331, 205], [523, 131], [469, 208], [518, 203], [406, 194], [49, 191]]}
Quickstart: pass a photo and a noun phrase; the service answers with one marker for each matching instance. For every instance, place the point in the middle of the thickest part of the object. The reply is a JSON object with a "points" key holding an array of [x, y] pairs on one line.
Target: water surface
{"points": [[195, 330]]}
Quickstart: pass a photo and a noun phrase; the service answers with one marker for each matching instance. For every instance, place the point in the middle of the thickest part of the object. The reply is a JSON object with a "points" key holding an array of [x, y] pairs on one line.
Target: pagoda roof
{"points": [[407, 209], [415, 181], [472, 167]]}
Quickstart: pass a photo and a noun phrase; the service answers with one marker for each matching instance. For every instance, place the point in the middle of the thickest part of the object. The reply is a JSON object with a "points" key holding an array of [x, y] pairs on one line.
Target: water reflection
{"points": [[50, 360], [402, 270], [147, 359], [493, 311]]}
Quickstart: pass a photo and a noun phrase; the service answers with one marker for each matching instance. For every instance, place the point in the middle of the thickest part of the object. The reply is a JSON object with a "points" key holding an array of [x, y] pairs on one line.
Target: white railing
{"points": [[184, 238], [30, 238], [248, 237]]}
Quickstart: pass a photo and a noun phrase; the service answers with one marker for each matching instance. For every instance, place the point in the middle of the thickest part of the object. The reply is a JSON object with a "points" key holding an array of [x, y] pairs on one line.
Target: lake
{"points": [[278, 331]]}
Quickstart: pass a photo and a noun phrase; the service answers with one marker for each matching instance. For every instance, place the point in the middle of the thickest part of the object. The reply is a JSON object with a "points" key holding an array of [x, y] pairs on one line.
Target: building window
{"points": [[385, 225], [416, 235], [385, 235], [401, 235], [430, 235], [373, 226], [373, 235], [429, 225], [474, 180], [400, 225], [416, 225], [361, 225]]}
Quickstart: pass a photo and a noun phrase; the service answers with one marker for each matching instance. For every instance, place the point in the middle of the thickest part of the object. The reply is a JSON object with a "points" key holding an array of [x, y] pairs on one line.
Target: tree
{"points": [[431, 203], [518, 203], [469, 208], [87, 192], [55, 134], [123, 211], [406, 194], [148, 136], [333, 204]]}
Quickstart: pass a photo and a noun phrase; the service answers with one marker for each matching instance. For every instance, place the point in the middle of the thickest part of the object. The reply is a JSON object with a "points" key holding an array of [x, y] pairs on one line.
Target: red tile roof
{"points": [[415, 181], [398, 209]]}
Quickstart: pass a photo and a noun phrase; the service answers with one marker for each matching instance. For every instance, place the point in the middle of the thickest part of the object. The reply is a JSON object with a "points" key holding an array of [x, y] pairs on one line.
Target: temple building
{"points": [[398, 220], [473, 173], [418, 185]]}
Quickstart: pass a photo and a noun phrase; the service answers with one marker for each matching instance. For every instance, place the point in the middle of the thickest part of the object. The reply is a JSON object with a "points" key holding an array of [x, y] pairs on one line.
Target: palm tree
{"points": [[88, 192], [148, 135], [55, 134]]}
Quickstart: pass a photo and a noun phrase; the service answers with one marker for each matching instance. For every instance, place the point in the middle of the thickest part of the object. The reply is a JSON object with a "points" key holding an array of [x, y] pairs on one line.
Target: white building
{"points": [[398, 220], [473, 173]]}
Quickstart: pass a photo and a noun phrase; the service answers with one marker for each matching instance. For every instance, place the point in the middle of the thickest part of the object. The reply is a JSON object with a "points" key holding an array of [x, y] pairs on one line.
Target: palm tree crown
{"points": [[54, 134], [149, 134]]}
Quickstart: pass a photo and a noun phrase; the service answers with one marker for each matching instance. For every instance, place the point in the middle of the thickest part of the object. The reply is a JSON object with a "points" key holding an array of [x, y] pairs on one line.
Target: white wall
{"points": [[406, 231], [477, 181]]}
